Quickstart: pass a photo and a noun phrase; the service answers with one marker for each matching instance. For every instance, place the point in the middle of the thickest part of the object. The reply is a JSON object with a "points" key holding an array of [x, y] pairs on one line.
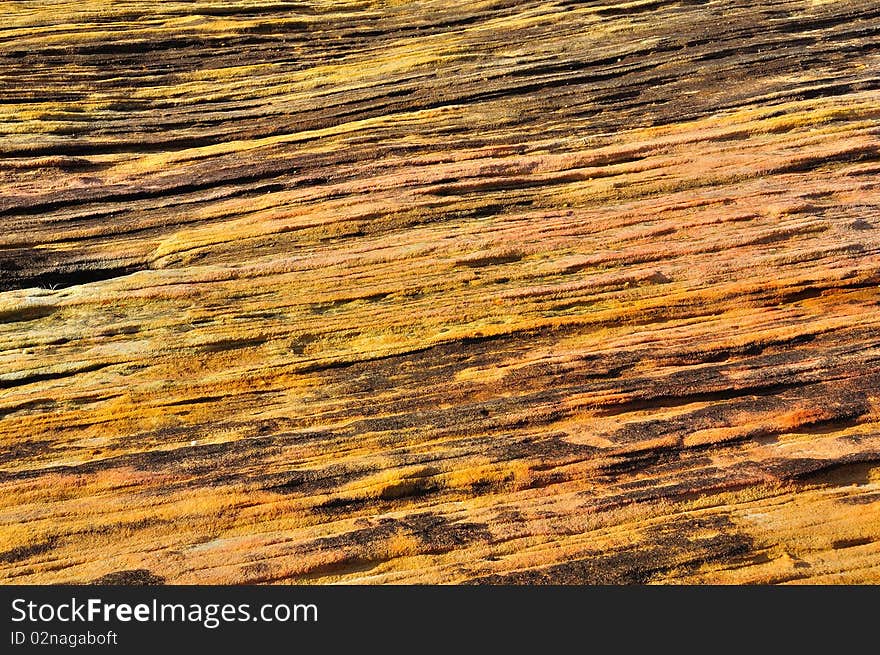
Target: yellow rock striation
{"points": [[427, 292]]}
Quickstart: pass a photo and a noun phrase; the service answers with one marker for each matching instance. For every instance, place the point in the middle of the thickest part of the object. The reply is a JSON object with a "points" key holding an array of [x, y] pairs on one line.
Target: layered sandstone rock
{"points": [[440, 292]]}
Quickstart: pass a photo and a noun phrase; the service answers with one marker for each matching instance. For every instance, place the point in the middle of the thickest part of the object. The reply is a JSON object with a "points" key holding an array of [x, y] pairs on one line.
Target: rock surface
{"points": [[485, 292]]}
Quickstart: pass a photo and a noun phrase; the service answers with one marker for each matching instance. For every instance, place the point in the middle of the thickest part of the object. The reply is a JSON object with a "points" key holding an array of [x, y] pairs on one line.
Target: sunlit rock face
{"points": [[381, 292]]}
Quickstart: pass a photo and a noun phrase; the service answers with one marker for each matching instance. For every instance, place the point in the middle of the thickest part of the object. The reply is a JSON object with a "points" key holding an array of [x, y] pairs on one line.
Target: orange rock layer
{"points": [[425, 292]]}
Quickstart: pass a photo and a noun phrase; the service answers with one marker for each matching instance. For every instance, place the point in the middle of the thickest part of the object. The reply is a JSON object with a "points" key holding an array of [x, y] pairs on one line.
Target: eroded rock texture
{"points": [[532, 292]]}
